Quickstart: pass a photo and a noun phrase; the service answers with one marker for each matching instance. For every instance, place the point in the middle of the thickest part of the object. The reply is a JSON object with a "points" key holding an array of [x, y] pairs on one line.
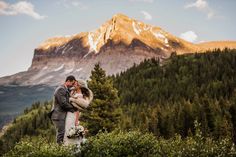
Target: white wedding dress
{"points": [[70, 122], [80, 102]]}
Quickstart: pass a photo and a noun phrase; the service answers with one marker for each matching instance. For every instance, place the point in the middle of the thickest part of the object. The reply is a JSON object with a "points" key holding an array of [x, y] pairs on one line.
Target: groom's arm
{"points": [[61, 98]]}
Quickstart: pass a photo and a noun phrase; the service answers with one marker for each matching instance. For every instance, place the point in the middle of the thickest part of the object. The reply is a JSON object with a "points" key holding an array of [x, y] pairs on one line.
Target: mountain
{"points": [[117, 45], [217, 44]]}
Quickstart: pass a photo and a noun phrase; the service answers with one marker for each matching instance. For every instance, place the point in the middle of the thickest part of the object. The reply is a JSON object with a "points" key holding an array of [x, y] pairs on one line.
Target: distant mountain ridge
{"points": [[117, 45]]}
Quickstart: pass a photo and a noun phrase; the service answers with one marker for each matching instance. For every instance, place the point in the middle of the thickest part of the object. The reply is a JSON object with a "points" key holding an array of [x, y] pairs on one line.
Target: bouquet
{"points": [[76, 131]]}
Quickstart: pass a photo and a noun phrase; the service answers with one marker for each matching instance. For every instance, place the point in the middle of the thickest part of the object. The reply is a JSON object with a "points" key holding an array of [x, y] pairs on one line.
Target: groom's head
{"points": [[70, 80]]}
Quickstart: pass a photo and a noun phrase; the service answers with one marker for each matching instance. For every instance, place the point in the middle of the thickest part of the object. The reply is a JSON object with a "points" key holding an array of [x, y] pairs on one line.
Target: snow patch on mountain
{"points": [[136, 29], [59, 68], [70, 48], [64, 49], [146, 27], [46, 79], [39, 74], [166, 41], [79, 69], [158, 35], [108, 32], [92, 42], [68, 71]]}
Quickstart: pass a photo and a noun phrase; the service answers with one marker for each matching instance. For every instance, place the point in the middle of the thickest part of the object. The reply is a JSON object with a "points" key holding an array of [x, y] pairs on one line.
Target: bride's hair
{"points": [[85, 92]]}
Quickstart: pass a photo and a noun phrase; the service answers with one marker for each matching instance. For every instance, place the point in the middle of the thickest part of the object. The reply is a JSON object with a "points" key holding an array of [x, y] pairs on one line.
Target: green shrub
{"points": [[118, 143], [135, 143], [39, 147], [129, 144], [195, 146]]}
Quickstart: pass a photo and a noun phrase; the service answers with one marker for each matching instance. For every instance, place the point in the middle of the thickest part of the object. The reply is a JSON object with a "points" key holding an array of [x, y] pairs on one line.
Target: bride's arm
{"points": [[80, 102]]}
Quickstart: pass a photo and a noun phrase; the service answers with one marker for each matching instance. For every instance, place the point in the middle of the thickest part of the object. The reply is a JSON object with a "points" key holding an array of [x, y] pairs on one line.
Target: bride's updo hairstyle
{"points": [[84, 87]]}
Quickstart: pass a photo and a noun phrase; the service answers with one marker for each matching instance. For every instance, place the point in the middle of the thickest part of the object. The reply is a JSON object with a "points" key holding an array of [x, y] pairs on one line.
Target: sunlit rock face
{"points": [[116, 45]]}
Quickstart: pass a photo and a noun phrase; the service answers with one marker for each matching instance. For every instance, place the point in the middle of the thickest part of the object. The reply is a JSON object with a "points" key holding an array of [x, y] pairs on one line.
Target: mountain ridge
{"points": [[118, 29], [118, 44]]}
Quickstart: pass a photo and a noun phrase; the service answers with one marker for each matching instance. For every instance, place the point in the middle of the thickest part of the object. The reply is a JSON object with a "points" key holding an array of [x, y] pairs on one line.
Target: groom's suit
{"points": [[59, 109]]}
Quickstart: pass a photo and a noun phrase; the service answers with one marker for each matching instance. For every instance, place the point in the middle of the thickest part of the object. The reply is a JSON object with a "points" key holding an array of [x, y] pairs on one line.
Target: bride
{"points": [[81, 96]]}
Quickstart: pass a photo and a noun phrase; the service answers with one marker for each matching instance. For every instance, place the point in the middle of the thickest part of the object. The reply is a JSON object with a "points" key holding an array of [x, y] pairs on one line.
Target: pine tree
{"points": [[104, 112]]}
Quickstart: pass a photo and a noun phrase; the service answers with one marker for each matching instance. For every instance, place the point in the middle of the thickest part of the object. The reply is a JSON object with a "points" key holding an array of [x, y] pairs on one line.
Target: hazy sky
{"points": [[26, 24]]}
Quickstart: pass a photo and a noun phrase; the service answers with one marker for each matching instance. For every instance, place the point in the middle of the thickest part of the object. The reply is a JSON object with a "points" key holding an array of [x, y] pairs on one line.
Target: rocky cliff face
{"points": [[116, 45]]}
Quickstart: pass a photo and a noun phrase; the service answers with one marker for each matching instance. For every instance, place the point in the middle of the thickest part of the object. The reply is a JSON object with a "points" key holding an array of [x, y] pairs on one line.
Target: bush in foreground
{"points": [[139, 144], [129, 144], [117, 143], [39, 147]]}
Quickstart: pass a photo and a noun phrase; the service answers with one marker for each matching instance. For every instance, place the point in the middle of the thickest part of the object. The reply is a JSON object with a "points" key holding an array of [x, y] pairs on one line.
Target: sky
{"points": [[24, 25]]}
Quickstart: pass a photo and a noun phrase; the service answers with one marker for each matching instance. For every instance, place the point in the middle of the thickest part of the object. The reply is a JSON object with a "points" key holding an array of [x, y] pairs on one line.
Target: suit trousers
{"points": [[60, 130]]}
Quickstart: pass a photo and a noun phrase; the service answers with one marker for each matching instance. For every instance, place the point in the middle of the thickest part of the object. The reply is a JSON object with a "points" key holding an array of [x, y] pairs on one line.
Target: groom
{"points": [[61, 106]]}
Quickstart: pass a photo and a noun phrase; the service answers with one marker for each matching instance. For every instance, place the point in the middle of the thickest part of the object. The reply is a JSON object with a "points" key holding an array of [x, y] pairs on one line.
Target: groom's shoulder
{"points": [[60, 88]]}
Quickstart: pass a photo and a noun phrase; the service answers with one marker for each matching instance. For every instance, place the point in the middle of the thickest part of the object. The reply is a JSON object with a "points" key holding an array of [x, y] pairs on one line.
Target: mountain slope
{"points": [[117, 45], [120, 29]]}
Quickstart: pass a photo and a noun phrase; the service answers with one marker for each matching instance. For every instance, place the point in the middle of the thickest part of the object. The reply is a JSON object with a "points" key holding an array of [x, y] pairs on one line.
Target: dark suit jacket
{"points": [[61, 104]]}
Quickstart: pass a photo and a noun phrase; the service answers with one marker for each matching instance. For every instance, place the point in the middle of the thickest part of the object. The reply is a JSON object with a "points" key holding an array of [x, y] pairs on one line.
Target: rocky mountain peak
{"points": [[116, 45]]}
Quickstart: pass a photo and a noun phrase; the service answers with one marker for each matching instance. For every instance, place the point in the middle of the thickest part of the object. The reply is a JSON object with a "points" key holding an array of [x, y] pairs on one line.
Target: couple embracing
{"points": [[69, 100]]}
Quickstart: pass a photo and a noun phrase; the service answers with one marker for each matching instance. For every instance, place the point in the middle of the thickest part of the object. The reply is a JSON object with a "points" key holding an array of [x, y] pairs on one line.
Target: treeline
{"points": [[166, 98], [33, 122], [191, 76]]}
